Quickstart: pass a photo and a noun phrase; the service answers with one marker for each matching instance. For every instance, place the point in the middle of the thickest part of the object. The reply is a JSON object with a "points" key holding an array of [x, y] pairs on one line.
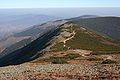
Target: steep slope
{"points": [[108, 26], [27, 49], [28, 34], [28, 52]]}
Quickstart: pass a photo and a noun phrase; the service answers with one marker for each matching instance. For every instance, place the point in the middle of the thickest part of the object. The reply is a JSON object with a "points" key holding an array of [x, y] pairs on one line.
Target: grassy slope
{"points": [[108, 26], [85, 40]]}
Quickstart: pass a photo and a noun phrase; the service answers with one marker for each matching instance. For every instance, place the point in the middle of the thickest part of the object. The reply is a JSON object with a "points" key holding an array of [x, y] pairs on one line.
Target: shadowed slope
{"points": [[30, 51]]}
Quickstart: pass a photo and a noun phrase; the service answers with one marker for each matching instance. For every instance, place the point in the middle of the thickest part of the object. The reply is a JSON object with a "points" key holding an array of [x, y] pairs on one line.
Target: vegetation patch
{"points": [[104, 52], [108, 61], [64, 59], [94, 59], [54, 60], [85, 41], [88, 42], [58, 47], [71, 56], [58, 60]]}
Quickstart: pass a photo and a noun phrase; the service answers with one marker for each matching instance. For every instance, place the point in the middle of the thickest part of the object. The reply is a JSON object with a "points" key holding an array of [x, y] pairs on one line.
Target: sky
{"points": [[58, 3]]}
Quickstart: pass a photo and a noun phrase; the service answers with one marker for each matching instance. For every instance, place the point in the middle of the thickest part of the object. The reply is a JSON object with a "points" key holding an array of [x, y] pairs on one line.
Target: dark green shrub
{"points": [[108, 61], [71, 56], [58, 60], [94, 59]]}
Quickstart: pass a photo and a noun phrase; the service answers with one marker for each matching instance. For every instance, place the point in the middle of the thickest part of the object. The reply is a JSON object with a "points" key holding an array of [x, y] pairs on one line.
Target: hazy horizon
{"points": [[63, 12], [20, 19]]}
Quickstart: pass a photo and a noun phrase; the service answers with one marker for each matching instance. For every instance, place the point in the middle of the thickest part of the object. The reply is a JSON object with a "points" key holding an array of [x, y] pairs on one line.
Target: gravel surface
{"points": [[30, 71]]}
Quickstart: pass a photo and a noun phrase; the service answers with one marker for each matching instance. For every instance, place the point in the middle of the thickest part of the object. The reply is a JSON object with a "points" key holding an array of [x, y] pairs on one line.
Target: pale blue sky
{"points": [[58, 3]]}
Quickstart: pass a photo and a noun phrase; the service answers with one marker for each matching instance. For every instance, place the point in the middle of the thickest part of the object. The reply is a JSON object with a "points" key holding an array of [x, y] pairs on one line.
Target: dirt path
{"points": [[73, 33]]}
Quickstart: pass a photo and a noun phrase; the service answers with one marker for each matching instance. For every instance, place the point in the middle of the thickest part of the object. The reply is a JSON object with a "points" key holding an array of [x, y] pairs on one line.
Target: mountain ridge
{"points": [[108, 26], [71, 34]]}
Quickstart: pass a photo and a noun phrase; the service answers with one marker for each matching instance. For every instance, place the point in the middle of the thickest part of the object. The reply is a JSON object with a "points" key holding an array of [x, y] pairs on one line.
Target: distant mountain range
{"points": [[86, 32], [10, 24]]}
